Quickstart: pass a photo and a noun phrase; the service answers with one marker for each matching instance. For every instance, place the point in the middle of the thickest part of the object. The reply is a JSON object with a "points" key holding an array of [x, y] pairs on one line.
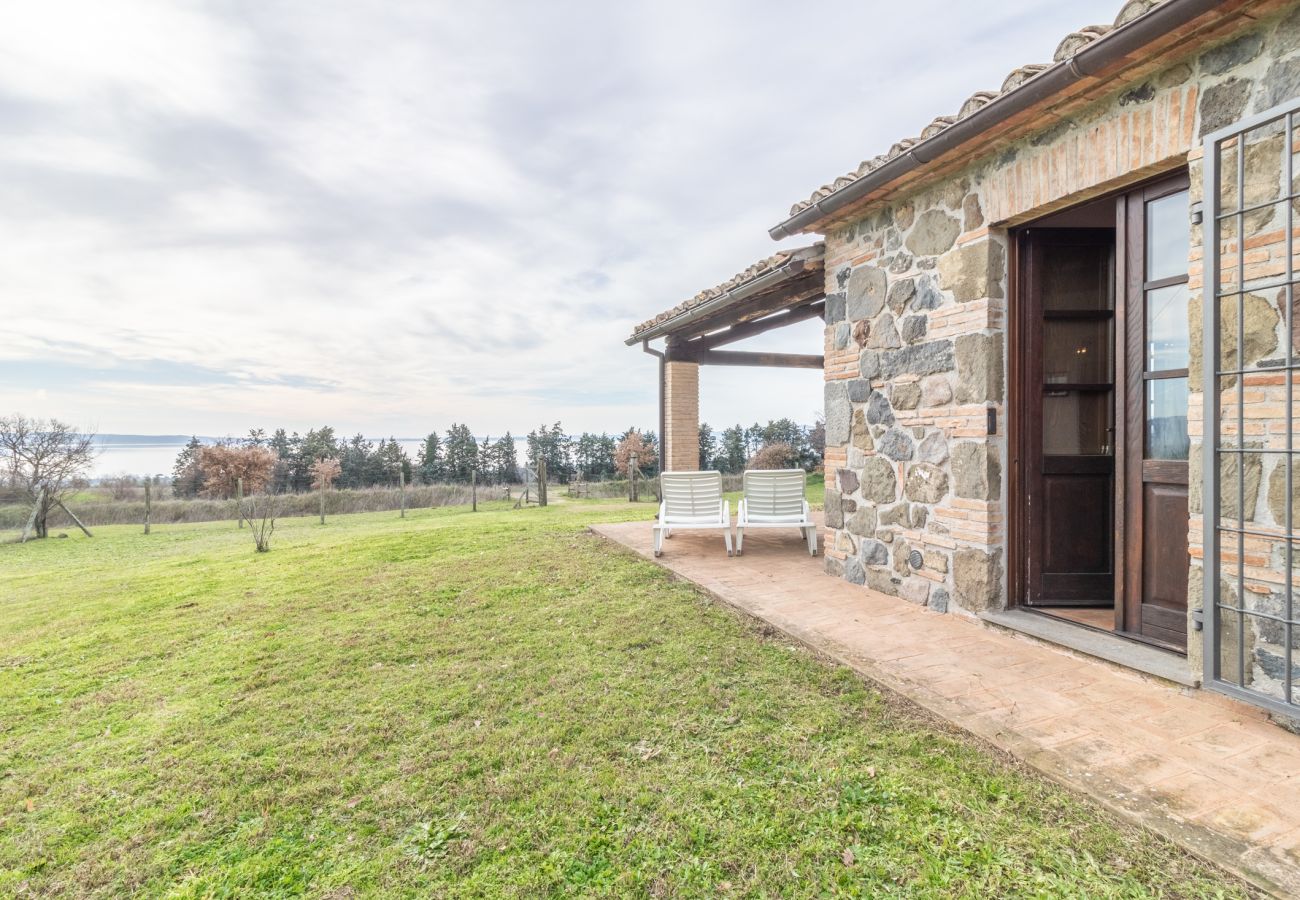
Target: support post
{"points": [[148, 505], [631, 478], [401, 490], [473, 490], [239, 500], [541, 482], [322, 504], [73, 516]]}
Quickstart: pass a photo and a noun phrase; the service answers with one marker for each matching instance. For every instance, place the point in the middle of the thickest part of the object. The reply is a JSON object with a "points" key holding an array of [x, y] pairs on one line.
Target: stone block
{"points": [[977, 579], [935, 232], [976, 471], [938, 599], [928, 358], [878, 481], [896, 445], [979, 368], [865, 293], [837, 413], [834, 512], [906, 395], [847, 479], [879, 411], [936, 391], [974, 271], [862, 523], [926, 483], [900, 292], [913, 329], [933, 448]]}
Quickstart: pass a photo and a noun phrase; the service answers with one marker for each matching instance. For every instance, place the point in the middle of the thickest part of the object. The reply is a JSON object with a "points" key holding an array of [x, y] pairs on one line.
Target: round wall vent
{"points": [[914, 559]]}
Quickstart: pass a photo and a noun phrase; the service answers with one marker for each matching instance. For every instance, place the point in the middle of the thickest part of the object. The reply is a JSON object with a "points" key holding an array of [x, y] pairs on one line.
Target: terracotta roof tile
{"points": [[1069, 46], [811, 253]]}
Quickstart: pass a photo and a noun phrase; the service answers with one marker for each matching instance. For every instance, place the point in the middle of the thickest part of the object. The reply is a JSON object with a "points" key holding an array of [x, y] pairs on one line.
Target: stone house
{"points": [[1018, 349]]}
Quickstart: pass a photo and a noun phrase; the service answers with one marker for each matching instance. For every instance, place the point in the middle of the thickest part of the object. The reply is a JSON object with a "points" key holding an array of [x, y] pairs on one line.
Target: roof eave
{"points": [[1088, 61]]}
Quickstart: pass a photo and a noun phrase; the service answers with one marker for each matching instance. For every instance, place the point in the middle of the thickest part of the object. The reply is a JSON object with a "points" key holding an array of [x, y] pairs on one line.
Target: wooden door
{"points": [[1157, 343], [1067, 415]]}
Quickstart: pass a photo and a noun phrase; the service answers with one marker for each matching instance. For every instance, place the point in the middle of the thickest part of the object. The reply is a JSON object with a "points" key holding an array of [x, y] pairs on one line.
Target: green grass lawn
{"points": [[490, 704]]}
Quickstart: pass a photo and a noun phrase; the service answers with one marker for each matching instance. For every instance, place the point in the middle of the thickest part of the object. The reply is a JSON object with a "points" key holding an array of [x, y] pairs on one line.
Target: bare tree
{"points": [[43, 458], [260, 511]]}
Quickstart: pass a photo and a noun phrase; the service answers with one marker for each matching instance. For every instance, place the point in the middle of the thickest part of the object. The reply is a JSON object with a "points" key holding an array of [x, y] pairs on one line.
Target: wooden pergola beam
{"points": [[742, 330], [749, 358]]}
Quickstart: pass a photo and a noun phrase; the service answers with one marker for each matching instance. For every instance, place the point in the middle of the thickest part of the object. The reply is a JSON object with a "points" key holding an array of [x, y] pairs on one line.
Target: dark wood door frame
{"points": [[1017, 371]]}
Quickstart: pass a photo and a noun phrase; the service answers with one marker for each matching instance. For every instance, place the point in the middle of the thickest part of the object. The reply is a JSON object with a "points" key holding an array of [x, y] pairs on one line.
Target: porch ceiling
{"points": [[785, 288]]}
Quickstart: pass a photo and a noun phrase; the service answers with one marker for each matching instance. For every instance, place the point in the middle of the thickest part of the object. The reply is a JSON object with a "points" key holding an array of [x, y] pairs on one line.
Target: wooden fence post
{"points": [[322, 504], [631, 478], [148, 504], [473, 491], [401, 490], [73, 516], [541, 482], [239, 499]]}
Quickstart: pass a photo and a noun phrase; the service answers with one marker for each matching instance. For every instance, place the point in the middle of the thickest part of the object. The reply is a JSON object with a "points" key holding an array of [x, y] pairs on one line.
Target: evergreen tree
{"points": [[187, 477], [429, 461], [733, 452], [505, 460], [708, 446]]}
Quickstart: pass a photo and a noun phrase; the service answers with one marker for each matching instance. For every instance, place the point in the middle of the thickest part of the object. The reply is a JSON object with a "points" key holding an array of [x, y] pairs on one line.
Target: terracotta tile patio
{"points": [[1212, 774]]}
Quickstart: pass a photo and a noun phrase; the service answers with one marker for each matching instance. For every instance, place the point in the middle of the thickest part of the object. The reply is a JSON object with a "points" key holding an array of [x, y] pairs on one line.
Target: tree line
{"points": [[783, 443]]}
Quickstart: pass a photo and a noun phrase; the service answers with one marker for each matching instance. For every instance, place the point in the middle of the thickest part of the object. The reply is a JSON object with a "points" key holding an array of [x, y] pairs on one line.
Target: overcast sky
{"points": [[389, 216]]}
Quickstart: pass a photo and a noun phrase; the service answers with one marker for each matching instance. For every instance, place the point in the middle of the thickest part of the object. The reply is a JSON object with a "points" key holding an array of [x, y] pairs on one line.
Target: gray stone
{"points": [[935, 561], [834, 308], [926, 483], [1273, 664], [1277, 494], [905, 214], [1223, 104], [837, 412], [938, 600], [977, 579], [832, 566], [1232, 54], [1279, 84], [936, 391], [861, 434], [896, 444], [884, 335], [1252, 474], [935, 233], [972, 215], [842, 276], [866, 292], [919, 514], [878, 410], [862, 523], [847, 479], [900, 264], [927, 294], [853, 571], [917, 359], [979, 368], [842, 334], [873, 553], [976, 471], [1260, 341], [1143, 93], [1175, 76], [869, 364], [879, 484], [880, 580], [859, 390], [900, 292], [933, 449], [974, 271], [913, 329], [901, 568], [915, 590], [906, 395], [834, 512], [899, 514]]}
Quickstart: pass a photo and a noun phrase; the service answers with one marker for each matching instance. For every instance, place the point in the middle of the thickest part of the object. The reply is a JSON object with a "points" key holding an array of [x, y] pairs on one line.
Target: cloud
{"points": [[392, 216]]}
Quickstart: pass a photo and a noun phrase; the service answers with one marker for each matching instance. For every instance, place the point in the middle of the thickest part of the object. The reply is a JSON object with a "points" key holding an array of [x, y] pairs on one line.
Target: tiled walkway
{"points": [[1212, 774]]}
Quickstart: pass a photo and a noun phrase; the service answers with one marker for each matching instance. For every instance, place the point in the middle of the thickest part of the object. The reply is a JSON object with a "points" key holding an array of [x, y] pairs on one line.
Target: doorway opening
{"points": [[1101, 341]]}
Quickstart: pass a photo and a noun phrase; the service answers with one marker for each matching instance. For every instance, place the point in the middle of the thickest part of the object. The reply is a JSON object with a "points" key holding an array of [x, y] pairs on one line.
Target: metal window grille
{"points": [[1251, 548]]}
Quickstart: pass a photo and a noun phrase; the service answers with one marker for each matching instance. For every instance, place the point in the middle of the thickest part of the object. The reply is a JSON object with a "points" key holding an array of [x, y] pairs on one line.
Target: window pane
{"points": [[1076, 352], [1167, 419], [1077, 277], [1168, 240], [1168, 330], [1076, 423]]}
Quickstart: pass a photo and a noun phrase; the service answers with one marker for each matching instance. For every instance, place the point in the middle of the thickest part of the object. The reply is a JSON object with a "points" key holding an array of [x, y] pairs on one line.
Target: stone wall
{"points": [[916, 309]]}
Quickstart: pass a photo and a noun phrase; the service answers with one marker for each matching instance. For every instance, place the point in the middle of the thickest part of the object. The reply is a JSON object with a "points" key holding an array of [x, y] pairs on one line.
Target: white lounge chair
{"points": [[692, 500], [774, 498]]}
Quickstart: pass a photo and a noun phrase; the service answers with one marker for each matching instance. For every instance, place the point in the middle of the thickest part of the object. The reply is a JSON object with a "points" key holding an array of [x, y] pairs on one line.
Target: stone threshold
{"points": [[1163, 664]]}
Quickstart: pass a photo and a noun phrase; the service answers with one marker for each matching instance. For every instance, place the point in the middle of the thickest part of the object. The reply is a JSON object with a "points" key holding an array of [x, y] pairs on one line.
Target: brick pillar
{"points": [[681, 438]]}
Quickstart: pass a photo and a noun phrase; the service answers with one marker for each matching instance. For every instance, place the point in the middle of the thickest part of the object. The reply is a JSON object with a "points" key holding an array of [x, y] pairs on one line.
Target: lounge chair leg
{"points": [[659, 541], [740, 541], [726, 537], [811, 534]]}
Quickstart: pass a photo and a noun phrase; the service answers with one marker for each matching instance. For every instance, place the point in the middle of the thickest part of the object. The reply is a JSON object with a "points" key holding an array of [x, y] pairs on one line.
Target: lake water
{"points": [[156, 454]]}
